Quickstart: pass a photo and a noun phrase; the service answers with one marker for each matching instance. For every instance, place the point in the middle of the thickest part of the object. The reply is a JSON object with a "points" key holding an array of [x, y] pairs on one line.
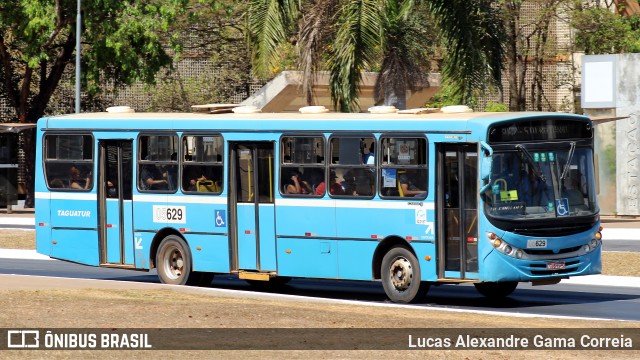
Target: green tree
{"points": [[348, 37], [601, 31], [121, 43]]}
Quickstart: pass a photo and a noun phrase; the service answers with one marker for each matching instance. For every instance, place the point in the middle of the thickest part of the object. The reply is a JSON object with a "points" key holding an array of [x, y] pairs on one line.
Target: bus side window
{"points": [[404, 171], [158, 163], [68, 162], [353, 163], [302, 167], [202, 165]]}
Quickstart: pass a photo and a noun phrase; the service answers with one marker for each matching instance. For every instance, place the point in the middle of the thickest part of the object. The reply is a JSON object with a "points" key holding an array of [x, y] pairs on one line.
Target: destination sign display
{"points": [[539, 129]]}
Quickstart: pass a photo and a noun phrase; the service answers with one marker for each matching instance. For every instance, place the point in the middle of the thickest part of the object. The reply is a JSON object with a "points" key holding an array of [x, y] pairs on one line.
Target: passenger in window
{"points": [[370, 158], [153, 178], [78, 182], [365, 185], [56, 184], [314, 176], [297, 185], [349, 182], [408, 183], [334, 187]]}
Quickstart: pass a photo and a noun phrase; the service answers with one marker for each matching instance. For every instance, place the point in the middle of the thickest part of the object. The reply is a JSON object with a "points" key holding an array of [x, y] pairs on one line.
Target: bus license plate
{"points": [[537, 244], [555, 265]]}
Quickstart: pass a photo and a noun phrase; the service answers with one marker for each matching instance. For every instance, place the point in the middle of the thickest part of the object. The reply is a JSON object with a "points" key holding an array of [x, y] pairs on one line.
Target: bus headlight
{"points": [[505, 248], [593, 243], [586, 248]]}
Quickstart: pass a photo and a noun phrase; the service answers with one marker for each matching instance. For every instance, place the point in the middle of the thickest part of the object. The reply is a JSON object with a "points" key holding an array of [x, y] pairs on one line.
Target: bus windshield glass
{"points": [[541, 181]]}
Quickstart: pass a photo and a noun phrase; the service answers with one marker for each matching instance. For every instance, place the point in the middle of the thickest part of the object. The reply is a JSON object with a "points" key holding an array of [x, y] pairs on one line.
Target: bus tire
{"points": [[400, 275], [496, 290], [173, 261]]}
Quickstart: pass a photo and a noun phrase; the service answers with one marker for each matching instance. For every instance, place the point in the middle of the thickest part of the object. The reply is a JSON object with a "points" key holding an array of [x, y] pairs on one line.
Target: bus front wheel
{"points": [[401, 277], [173, 261], [496, 290]]}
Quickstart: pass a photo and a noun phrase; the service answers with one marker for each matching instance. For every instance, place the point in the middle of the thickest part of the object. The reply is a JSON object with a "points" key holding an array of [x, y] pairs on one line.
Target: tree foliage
{"points": [[349, 37], [601, 31], [121, 43]]}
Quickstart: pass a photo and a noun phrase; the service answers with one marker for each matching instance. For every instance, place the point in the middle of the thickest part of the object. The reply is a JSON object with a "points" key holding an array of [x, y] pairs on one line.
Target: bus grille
{"points": [[553, 231], [550, 252]]}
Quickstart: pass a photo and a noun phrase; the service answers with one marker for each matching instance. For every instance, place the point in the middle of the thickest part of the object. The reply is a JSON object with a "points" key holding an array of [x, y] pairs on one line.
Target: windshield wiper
{"points": [[569, 158], [534, 166]]}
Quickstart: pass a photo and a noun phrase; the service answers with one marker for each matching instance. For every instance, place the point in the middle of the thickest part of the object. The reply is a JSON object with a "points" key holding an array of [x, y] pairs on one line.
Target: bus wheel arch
{"points": [[383, 247], [155, 244]]}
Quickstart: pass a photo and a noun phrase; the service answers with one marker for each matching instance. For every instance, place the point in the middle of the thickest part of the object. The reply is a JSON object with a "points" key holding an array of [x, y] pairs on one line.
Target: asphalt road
{"points": [[561, 300]]}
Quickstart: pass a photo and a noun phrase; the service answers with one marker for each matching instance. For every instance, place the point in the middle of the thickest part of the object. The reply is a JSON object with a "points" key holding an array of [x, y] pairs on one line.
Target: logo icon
{"points": [[23, 339], [220, 218]]}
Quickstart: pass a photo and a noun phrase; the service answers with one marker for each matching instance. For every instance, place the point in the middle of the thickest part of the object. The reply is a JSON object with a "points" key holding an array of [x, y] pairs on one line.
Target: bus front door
{"points": [[251, 199], [457, 211], [115, 203]]}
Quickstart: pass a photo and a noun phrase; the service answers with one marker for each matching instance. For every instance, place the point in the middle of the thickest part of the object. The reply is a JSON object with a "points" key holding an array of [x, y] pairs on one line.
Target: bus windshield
{"points": [[541, 181]]}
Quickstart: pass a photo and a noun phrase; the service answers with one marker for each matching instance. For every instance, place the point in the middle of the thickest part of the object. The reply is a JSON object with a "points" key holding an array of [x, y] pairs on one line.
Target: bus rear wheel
{"points": [[401, 279], [173, 261], [496, 290]]}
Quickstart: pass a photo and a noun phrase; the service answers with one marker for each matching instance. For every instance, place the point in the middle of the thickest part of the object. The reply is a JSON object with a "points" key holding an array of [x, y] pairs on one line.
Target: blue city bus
{"points": [[407, 199]]}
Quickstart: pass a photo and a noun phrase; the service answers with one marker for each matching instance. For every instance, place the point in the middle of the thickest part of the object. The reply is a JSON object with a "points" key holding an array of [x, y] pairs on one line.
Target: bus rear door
{"points": [[457, 190], [115, 203], [252, 218]]}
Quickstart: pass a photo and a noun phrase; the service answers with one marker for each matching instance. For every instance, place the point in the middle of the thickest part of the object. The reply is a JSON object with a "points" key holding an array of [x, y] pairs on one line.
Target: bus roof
{"points": [[286, 121]]}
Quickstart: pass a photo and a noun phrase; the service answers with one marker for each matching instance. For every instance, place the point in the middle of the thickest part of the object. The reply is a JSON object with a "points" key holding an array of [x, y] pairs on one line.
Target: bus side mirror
{"points": [[485, 170], [486, 163]]}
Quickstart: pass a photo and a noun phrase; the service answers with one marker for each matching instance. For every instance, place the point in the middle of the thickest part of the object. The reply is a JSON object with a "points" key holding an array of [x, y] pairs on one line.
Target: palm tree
{"points": [[346, 37]]}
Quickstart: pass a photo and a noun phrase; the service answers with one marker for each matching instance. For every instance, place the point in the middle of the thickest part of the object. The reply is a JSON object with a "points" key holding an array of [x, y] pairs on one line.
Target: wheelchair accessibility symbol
{"points": [[562, 207], [220, 218]]}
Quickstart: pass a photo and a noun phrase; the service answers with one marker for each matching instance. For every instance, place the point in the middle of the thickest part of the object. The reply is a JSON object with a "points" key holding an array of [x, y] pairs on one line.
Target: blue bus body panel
{"points": [[76, 245], [150, 212], [43, 224], [356, 267], [74, 225], [313, 258], [210, 252], [143, 241], [304, 217]]}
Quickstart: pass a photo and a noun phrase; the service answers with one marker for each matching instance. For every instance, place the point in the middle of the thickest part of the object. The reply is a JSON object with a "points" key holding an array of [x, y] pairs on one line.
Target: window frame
{"points": [[382, 165], [292, 165], [181, 162], [332, 167], [140, 163], [46, 160]]}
